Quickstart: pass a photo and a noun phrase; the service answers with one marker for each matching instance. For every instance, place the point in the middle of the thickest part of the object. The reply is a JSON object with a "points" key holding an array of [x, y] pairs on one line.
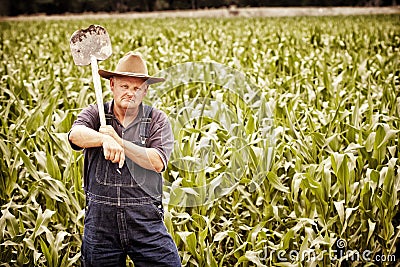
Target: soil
{"points": [[223, 12]]}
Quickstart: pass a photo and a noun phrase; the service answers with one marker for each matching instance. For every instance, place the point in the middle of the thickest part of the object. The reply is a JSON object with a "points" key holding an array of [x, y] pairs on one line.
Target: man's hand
{"points": [[109, 130], [147, 158], [112, 150], [85, 137]]}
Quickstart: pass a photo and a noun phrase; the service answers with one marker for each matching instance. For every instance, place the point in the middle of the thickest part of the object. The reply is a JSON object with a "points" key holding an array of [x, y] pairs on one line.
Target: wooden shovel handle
{"points": [[97, 88], [99, 98]]}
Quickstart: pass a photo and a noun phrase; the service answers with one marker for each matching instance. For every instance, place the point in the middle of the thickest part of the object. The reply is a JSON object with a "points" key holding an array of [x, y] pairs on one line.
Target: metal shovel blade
{"points": [[91, 42]]}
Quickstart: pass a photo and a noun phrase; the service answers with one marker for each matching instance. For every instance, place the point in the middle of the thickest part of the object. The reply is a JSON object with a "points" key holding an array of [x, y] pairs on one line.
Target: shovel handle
{"points": [[97, 88]]}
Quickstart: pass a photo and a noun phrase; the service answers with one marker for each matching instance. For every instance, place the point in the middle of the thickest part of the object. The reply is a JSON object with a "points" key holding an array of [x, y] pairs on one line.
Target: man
{"points": [[122, 173]]}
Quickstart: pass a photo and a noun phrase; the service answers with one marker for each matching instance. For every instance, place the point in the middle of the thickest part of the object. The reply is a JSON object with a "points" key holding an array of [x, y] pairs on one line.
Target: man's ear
{"points": [[112, 84]]}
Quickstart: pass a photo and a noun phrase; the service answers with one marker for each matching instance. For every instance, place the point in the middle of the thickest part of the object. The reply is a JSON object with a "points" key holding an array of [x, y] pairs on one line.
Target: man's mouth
{"points": [[129, 99]]}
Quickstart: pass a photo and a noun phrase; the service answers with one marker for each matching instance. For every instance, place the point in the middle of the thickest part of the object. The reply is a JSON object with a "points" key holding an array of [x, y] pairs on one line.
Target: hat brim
{"points": [[149, 79]]}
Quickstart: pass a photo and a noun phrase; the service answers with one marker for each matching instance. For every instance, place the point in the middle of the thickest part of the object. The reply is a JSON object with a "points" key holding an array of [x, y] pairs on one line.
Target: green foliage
{"points": [[335, 171]]}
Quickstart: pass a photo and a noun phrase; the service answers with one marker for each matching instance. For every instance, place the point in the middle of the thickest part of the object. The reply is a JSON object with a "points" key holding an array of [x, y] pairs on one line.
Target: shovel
{"points": [[88, 46]]}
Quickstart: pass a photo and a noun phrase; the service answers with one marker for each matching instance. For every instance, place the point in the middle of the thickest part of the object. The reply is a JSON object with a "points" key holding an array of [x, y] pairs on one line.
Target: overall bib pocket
{"points": [[109, 173]]}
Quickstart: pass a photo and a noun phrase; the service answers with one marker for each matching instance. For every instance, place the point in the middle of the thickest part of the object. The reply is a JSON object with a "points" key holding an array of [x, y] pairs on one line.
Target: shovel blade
{"points": [[93, 41]]}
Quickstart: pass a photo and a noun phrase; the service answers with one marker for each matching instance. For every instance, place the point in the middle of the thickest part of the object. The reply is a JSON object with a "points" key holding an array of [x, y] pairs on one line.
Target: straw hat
{"points": [[131, 65]]}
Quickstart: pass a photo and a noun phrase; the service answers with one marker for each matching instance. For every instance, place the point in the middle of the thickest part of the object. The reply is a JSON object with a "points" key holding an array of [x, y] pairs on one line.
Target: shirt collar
{"points": [[135, 121]]}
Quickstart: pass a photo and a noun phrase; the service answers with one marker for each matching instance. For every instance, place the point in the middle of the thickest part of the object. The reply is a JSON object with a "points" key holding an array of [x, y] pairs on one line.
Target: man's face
{"points": [[128, 91]]}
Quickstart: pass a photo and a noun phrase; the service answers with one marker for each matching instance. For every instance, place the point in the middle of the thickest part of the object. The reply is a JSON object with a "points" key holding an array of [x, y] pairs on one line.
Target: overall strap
{"points": [[144, 128], [108, 115]]}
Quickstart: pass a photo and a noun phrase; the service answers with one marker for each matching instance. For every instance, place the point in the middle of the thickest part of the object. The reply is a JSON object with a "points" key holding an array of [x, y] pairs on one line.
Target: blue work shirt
{"points": [[104, 182]]}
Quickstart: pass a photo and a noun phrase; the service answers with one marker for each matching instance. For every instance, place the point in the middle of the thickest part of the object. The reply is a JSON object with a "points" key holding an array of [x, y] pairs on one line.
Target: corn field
{"points": [[329, 195]]}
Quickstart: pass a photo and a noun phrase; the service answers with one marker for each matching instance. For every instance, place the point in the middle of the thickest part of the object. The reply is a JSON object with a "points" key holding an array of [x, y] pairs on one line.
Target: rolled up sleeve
{"points": [[88, 117], [161, 137]]}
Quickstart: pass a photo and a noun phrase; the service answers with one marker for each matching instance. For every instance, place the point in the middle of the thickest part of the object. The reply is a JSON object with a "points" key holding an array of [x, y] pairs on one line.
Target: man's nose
{"points": [[132, 92]]}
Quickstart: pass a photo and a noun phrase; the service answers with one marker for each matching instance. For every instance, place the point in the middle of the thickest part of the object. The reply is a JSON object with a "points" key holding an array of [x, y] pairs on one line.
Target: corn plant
{"points": [[327, 192]]}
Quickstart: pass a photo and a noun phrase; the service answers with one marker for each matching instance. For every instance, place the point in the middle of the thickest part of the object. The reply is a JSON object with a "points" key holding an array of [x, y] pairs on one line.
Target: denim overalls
{"points": [[124, 213]]}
